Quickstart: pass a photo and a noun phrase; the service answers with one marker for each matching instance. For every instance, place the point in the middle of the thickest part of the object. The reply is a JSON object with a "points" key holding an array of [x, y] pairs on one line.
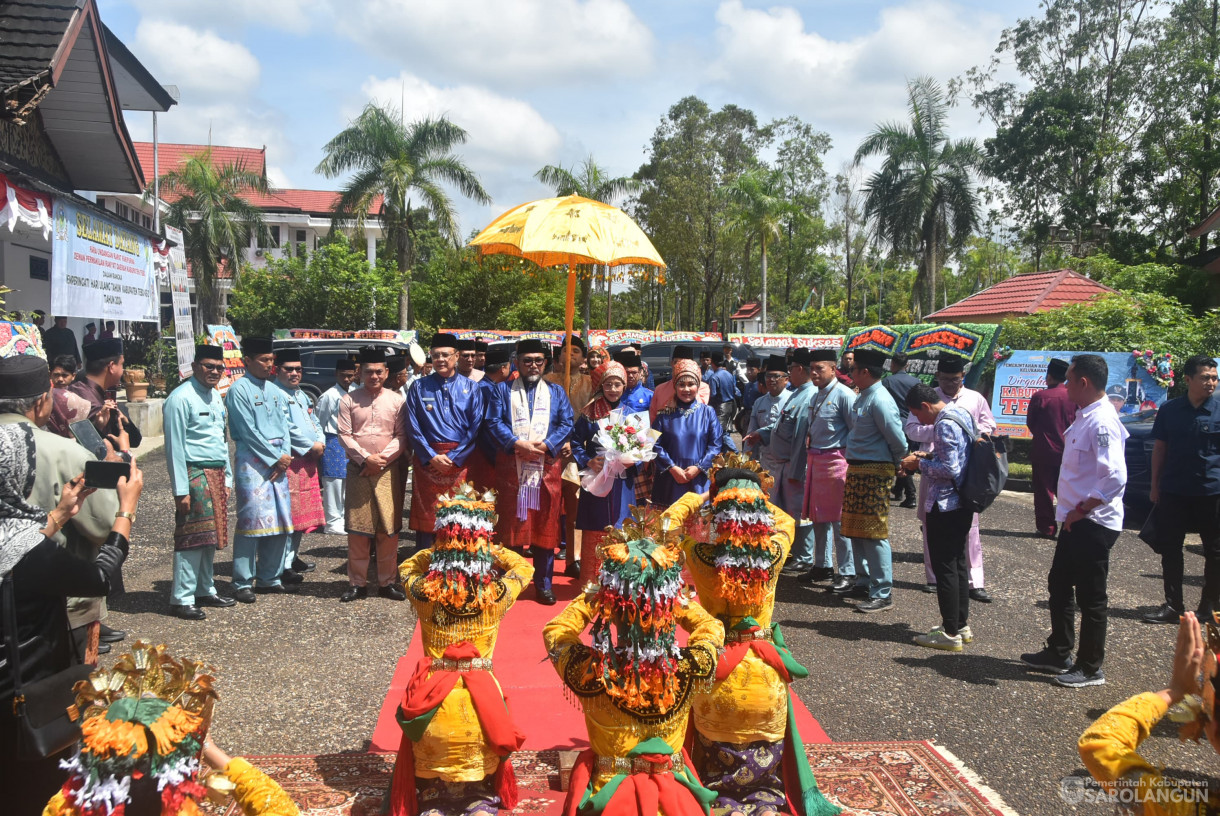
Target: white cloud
{"points": [[501, 129], [853, 83], [506, 43], [295, 16], [202, 64]]}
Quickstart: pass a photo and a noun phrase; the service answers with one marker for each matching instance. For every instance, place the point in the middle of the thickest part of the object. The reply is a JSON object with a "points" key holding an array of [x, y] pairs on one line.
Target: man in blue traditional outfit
{"points": [[444, 412], [197, 454], [787, 447], [765, 410], [825, 475], [333, 468], [258, 423], [531, 421], [307, 443]]}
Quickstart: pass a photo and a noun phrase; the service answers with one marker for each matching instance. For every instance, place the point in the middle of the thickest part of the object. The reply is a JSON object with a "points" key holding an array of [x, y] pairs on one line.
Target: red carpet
{"points": [[550, 722]]}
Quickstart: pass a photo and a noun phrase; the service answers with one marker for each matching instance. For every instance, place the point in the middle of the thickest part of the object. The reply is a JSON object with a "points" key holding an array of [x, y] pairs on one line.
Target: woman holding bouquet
{"points": [[594, 514], [691, 437]]}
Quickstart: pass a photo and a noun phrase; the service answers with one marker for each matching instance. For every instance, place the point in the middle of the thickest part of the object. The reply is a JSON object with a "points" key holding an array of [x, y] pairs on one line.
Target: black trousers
{"points": [[947, 534], [1080, 569], [1177, 514], [904, 485]]}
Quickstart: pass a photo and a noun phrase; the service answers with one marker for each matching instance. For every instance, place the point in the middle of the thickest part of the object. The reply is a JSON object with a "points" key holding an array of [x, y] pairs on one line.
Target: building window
{"points": [[300, 236], [146, 221], [275, 236], [40, 268]]}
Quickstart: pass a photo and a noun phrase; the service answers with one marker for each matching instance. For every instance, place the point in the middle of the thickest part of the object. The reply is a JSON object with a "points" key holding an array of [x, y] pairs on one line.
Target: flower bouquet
{"points": [[626, 441]]}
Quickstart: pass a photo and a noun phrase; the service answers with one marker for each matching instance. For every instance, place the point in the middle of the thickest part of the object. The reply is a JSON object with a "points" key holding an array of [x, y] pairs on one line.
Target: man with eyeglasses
{"points": [[468, 355], [1186, 487], [444, 412], [197, 454], [308, 443], [766, 411], [531, 420]]}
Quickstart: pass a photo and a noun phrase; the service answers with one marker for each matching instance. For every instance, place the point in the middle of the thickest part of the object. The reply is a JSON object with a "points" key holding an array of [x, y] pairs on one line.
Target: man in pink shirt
{"points": [[950, 376], [373, 432]]}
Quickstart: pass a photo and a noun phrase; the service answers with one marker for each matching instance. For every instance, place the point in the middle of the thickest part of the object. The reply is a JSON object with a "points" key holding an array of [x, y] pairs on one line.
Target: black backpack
{"points": [[986, 467]]}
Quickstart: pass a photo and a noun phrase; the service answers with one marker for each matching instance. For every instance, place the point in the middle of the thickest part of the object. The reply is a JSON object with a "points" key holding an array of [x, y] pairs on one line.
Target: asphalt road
{"points": [[305, 674]]}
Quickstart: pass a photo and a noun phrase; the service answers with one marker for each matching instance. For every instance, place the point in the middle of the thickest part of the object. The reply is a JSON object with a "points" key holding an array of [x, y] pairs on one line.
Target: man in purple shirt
{"points": [[1050, 413]]}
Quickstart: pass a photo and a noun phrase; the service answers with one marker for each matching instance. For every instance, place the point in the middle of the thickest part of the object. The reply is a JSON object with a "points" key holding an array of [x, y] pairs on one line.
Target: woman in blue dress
{"points": [[596, 513], [691, 438]]}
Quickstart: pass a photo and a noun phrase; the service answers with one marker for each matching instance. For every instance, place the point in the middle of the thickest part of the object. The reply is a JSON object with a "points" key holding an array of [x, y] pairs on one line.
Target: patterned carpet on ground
{"points": [[866, 778]]}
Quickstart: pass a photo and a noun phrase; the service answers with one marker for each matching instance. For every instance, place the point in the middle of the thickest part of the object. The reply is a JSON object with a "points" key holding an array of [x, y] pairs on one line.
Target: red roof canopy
{"points": [[172, 156], [1024, 294], [747, 311]]}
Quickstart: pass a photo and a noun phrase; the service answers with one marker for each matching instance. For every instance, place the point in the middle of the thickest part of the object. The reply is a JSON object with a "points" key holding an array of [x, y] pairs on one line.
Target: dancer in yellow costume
{"points": [[746, 746], [144, 727], [634, 683], [457, 729]]}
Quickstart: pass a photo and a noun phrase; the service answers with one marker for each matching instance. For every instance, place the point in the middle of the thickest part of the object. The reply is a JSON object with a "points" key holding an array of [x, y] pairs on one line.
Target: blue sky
{"points": [[540, 81]]}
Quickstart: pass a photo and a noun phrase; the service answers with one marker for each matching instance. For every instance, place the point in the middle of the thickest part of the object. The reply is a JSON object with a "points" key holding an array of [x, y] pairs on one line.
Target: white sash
{"points": [[532, 426]]}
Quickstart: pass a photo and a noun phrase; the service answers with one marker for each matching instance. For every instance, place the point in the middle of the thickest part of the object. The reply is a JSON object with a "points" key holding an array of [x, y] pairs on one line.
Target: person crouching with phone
{"points": [[25, 383], [197, 454], [36, 575]]}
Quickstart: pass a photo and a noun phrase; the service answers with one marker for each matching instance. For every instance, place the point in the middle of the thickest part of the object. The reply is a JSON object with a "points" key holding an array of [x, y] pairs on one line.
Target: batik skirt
{"points": [[866, 500], [264, 506], [206, 524]]}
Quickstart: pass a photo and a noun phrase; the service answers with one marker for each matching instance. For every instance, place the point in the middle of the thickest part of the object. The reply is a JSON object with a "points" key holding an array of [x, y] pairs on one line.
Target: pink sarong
{"points": [[306, 495], [825, 476]]}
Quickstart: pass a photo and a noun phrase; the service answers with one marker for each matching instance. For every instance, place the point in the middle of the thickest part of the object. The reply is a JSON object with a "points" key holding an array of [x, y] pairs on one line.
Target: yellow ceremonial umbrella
{"points": [[569, 231]]}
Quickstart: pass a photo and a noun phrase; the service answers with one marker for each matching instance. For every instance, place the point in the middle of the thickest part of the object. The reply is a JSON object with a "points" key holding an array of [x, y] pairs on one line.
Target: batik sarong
{"points": [[306, 494], [436, 797], [866, 500], [825, 477], [481, 471], [334, 459], [747, 778], [427, 485], [264, 506], [207, 522], [540, 528], [374, 503]]}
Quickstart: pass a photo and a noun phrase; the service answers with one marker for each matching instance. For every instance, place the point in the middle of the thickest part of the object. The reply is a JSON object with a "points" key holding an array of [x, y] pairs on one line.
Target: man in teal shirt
{"points": [[786, 439], [307, 442], [197, 455], [258, 423], [875, 447]]}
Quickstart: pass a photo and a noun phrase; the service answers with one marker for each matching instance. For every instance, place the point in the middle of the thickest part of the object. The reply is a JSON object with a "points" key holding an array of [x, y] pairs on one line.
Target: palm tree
{"points": [[922, 200], [216, 219], [394, 161], [762, 212], [593, 182]]}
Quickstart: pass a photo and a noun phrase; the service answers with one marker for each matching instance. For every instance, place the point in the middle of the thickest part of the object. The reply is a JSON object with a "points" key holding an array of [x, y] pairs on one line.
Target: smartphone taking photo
{"points": [[105, 475], [88, 437]]}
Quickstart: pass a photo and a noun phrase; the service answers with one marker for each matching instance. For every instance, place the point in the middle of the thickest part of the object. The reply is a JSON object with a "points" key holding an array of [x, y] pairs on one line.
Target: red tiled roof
{"points": [[1025, 294], [747, 311], [172, 156], [1206, 225]]}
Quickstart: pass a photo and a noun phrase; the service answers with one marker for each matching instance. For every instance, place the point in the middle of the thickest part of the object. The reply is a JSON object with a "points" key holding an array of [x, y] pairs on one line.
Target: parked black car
{"points": [[318, 358], [1138, 454], [658, 355]]}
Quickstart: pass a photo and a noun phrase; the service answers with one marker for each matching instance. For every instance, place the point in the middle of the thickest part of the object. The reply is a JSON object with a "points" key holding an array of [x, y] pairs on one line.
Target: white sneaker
{"points": [[966, 635], [937, 639]]}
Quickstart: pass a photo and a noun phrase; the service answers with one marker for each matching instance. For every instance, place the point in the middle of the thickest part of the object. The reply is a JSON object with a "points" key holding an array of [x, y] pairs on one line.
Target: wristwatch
{"points": [[124, 514]]}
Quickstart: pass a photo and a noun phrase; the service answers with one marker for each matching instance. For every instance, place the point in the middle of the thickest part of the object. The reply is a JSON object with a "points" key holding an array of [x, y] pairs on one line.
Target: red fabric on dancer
{"points": [[427, 690], [639, 793]]}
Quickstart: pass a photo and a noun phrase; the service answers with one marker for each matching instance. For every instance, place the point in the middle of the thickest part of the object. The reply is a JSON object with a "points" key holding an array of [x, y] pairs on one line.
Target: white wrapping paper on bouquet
{"points": [[626, 441]]}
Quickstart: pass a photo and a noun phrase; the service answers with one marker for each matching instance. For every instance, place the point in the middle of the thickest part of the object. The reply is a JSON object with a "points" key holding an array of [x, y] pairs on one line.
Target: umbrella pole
{"points": [[569, 314]]}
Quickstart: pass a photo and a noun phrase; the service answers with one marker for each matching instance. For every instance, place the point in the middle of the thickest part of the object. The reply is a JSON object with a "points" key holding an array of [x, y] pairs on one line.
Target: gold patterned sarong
{"points": [[374, 503], [866, 500]]}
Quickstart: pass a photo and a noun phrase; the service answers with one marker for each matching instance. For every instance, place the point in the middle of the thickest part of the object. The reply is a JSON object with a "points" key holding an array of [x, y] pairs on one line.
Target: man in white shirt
{"points": [[1090, 515], [950, 376]]}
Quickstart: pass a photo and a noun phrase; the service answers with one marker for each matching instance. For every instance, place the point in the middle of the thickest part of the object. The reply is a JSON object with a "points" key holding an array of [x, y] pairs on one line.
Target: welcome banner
{"points": [[101, 269], [925, 343]]}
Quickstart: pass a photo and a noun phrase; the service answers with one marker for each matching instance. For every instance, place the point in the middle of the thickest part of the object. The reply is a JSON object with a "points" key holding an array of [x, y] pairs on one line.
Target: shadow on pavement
{"points": [[977, 670], [859, 629]]}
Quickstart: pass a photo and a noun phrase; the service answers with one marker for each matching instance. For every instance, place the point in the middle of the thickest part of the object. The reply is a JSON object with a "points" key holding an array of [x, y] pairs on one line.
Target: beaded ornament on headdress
{"points": [[740, 531], [146, 716], [640, 581], [460, 573]]}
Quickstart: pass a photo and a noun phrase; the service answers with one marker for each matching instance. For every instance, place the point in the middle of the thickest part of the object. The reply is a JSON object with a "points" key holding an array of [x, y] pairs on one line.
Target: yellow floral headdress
{"points": [[460, 573]]}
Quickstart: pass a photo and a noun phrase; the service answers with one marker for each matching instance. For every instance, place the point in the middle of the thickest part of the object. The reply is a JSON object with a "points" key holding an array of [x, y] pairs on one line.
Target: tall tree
{"points": [[799, 160], [761, 210], [216, 219], [923, 197], [591, 181], [393, 162]]}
